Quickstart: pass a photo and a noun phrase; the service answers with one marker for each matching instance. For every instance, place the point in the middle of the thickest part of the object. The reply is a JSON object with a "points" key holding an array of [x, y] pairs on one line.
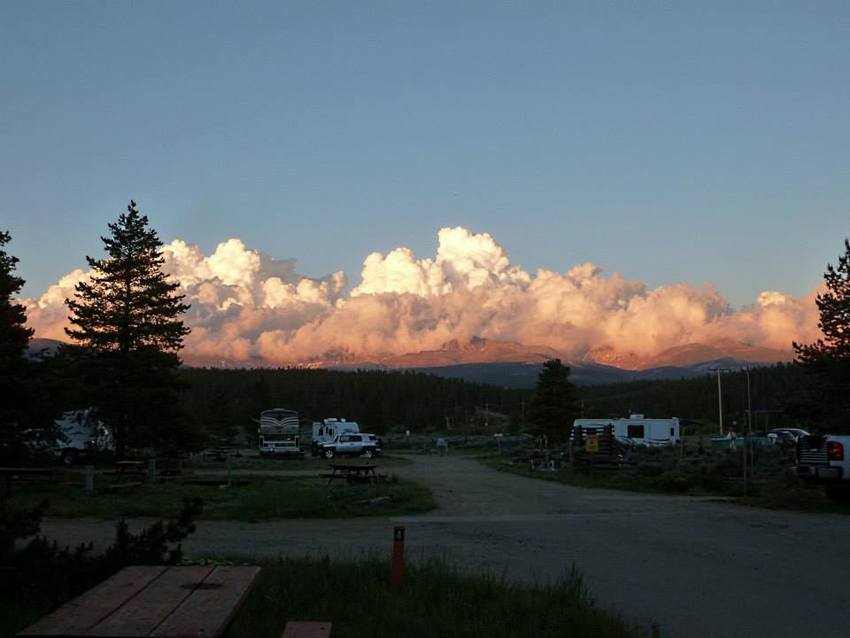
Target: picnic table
{"points": [[29, 474], [170, 602], [360, 473]]}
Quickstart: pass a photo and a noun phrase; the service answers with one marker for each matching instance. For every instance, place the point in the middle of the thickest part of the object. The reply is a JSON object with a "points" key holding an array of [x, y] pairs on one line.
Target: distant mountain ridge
{"points": [[512, 364]]}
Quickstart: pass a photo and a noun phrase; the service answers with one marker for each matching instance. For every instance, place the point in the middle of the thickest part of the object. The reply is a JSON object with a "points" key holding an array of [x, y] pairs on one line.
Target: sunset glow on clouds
{"points": [[248, 308]]}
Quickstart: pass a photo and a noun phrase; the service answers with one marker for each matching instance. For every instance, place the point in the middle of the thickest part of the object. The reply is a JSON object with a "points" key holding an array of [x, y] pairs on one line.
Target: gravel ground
{"points": [[695, 566]]}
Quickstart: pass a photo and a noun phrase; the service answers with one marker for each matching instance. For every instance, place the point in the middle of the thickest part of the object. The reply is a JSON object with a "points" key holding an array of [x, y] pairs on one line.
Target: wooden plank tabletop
{"points": [[170, 602]]}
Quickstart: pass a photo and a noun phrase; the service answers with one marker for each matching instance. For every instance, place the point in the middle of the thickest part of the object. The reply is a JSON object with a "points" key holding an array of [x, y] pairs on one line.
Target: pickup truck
{"points": [[824, 459], [367, 445]]}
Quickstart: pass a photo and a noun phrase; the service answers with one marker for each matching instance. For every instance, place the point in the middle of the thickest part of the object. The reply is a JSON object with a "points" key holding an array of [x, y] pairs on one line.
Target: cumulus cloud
{"points": [[251, 309]]}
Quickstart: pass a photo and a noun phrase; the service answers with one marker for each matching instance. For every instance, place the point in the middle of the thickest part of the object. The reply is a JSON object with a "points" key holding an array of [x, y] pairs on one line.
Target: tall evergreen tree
{"points": [[14, 339], [827, 360], [553, 406], [126, 322]]}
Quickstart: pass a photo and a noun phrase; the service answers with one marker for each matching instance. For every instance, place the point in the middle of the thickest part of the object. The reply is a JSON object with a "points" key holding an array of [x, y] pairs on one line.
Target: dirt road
{"points": [[697, 567]]}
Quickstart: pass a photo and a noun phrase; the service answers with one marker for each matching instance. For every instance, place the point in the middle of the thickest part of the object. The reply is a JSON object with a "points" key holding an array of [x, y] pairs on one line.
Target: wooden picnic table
{"points": [[360, 473], [169, 602], [29, 474]]}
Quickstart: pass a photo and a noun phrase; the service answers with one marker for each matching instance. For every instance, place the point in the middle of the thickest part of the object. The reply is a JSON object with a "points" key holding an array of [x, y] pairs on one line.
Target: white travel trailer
{"points": [[78, 434], [327, 430], [642, 431], [279, 433]]}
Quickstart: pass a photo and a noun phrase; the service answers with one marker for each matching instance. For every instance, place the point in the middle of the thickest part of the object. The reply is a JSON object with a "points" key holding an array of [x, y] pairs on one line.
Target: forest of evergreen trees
{"points": [[220, 401], [774, 390]]}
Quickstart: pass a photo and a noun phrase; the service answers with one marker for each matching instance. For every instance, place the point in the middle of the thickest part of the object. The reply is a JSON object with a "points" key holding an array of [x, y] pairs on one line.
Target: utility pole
{"points": [[720, 396], [720, 401], [749, 404]]}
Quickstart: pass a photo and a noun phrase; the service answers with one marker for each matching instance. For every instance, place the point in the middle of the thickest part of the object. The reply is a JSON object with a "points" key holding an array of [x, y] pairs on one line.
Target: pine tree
{"points": [[553, 406], [127, 323], [827, 360], [14, 339]]}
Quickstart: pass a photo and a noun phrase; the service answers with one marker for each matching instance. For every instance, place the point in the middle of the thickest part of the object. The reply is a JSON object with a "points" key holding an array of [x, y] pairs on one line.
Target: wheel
{"points": [[70, 457], [838, 493], [368, 454], [328, 454]]}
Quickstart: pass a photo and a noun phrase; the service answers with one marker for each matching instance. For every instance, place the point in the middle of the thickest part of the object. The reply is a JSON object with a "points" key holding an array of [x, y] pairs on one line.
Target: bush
{"points": [[40, 575]]}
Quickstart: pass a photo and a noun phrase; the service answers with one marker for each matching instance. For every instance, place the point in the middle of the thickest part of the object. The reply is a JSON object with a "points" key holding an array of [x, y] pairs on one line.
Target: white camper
{"points": [[79, 434], [637, 428], [327, 430], [279, 433]]}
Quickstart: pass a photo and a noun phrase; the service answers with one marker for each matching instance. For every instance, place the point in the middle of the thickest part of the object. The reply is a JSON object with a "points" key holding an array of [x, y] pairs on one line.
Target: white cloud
{"points": [[252, 309]]}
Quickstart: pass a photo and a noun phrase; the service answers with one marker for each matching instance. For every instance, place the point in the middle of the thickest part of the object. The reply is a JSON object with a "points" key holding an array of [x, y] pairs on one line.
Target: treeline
{"points": [[776, 393], [221, 401]]}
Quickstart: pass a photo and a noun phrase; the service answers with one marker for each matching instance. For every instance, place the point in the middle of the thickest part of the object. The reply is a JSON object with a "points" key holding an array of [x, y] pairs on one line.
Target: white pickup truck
{"points": [[825, 459]]}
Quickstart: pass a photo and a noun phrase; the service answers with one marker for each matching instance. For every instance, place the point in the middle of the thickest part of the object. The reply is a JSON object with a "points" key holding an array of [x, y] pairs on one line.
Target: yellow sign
{"points": [[591, 443]]}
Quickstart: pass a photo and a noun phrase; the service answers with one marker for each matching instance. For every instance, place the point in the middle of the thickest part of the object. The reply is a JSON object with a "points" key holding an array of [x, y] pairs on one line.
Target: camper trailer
{"points": [[638, 429], [327, 430], [79, 434], [279, 433]]}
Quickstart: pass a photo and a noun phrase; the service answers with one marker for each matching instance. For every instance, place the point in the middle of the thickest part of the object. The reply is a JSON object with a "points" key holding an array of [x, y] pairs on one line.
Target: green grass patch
{"points": [[436, 600], [250, 500], [779, 490], [257, 463]]}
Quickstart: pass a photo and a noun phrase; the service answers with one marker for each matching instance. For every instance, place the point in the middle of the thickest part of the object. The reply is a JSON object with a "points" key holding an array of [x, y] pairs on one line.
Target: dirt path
{"points": [[698, 568]]}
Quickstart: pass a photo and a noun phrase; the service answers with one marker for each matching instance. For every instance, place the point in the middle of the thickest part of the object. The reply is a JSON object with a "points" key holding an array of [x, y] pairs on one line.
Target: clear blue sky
{"points": [[703, 141]]}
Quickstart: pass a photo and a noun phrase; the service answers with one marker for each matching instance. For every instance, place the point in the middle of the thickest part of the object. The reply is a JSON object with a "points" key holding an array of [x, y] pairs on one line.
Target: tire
{"points": [[837, 492], [70, 457], [328, 454], [368, 454]]}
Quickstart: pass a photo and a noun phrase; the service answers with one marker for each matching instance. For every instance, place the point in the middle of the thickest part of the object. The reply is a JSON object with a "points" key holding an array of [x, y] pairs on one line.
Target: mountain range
{"points": [[511, 364]]}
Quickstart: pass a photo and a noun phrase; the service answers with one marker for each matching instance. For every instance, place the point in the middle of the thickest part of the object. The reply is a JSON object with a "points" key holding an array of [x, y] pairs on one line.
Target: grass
{"points": [[436, 600], [260, 464], [247, 500], [776, 490]]}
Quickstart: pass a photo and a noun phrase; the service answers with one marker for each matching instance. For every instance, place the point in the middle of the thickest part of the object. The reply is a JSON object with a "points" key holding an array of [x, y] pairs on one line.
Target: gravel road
{"points": [[695, 566]]}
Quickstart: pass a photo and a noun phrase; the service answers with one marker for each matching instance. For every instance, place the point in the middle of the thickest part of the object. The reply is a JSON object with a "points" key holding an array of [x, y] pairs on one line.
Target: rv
{"points": [[279, 433], [638, 429], [79, 434], [327, 430]]}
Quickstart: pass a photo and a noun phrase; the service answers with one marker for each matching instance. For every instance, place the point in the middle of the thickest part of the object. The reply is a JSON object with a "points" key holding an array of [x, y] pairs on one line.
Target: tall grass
{"points": [[436, 600], [250, 500]]}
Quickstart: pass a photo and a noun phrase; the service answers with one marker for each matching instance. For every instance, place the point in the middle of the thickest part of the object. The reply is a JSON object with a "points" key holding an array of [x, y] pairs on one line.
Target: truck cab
{"points": [[824, 459]]}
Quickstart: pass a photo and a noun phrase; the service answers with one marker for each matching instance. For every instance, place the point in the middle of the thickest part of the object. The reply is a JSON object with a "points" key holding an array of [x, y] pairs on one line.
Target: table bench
{"points": [[27, 475], [361, 473], [168, 602]]}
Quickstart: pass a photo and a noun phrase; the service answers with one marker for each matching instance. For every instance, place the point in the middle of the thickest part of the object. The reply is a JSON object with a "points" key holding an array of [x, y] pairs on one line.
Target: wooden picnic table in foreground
{"points": [[170, 602], [350, 473]]}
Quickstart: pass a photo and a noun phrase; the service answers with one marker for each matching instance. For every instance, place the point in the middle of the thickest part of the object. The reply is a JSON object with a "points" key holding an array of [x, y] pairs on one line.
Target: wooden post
{"points": [[229, 471], [397, 574], [90, 479], [152, 470]]}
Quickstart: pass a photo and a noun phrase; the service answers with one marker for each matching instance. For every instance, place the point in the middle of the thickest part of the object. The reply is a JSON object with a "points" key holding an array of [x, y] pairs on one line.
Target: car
{"points": [[787, 436], [366, 445]]}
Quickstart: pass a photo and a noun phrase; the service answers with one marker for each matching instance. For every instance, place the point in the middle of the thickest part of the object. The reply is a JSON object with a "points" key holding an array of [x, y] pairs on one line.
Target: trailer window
{"points": [[672, 432], [635, 432]]}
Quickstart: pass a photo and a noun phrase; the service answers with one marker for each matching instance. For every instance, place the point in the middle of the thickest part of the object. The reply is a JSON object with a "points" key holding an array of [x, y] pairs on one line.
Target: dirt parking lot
{"points": [[697, 567]]}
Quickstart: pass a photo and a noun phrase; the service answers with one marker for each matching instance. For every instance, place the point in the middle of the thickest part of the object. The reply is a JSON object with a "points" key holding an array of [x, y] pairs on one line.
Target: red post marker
{"points": [[397, 574]]}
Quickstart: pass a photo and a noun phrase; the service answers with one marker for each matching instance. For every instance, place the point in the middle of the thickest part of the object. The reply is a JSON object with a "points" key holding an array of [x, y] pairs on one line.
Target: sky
{"points": [[702, 143]]}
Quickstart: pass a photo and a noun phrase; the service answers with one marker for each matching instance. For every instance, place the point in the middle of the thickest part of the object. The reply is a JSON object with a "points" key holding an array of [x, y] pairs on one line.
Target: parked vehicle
{"points": [[78, 435], [327, 430], [824, 459], [279, 433], [638, 429], [786, 436], [350, 445]]}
